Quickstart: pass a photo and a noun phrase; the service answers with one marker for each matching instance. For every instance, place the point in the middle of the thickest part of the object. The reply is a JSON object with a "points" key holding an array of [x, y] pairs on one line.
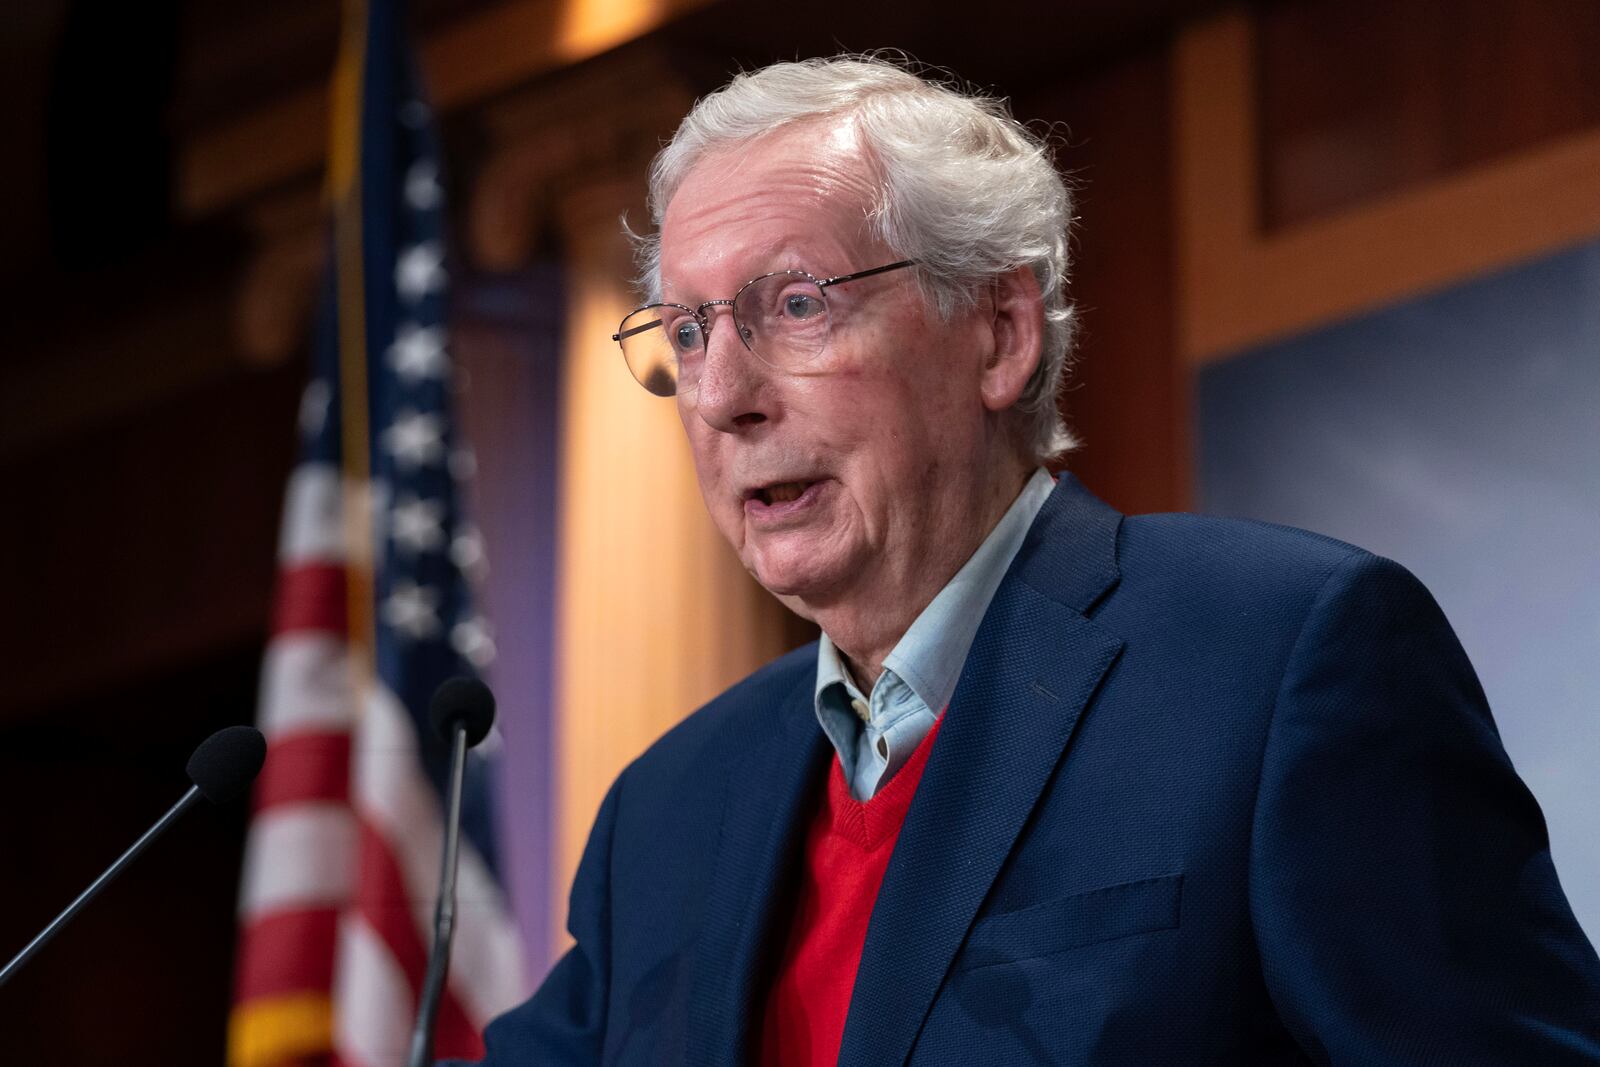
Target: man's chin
{"points": [[785, 587], [795, 578]]}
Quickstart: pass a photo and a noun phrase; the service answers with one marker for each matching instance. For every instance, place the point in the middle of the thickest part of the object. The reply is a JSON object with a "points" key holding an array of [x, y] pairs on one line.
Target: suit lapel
{"points": [[762, 824], [1035, 664]]}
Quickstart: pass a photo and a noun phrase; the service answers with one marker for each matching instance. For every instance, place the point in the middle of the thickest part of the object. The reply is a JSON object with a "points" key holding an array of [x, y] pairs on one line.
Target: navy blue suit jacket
{"points": [[1208, 792]]}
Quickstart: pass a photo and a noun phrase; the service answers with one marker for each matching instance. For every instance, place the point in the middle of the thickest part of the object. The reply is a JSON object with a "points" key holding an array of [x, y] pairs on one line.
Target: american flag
{"points": [[373, 612]]}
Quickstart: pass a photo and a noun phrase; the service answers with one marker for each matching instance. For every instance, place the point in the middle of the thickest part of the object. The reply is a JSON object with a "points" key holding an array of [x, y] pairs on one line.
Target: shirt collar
{"points": [[930, 655], [831, 669]]}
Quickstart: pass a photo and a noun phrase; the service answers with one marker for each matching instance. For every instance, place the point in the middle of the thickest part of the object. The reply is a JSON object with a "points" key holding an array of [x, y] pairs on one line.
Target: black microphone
{"points": [[221, 769], [462, 710]]}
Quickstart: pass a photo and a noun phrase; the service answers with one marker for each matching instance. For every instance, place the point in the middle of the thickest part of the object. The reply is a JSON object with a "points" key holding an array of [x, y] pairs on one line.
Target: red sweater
{"points": [[847, 850]]}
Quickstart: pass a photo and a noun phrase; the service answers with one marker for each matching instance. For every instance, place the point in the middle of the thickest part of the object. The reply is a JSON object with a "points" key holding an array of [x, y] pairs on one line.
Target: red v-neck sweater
{"points": [[847, 850]]}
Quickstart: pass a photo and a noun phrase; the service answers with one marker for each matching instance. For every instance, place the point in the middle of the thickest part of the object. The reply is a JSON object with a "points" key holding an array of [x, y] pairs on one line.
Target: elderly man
{"points": [[1055, 786]]}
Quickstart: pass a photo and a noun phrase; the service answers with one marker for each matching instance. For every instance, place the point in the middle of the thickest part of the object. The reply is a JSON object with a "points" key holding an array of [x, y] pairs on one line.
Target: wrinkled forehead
{"points": [[798, 198]]}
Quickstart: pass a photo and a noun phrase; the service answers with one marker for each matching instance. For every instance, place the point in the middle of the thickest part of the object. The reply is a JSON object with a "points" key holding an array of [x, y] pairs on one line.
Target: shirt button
{"points": [[861, 709]]}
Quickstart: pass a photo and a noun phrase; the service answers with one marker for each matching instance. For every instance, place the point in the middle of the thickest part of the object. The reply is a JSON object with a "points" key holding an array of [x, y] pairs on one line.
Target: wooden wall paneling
{"points": [[1442, 86], [1215, 181], [119, 344], [107, 347], [1240, 285], [1333, 132], [28, 36], [146, 542], [1127, 397]]}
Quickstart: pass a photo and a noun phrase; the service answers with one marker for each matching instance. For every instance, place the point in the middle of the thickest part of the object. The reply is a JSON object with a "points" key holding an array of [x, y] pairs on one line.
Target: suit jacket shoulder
{"points": [[1208, 791]]}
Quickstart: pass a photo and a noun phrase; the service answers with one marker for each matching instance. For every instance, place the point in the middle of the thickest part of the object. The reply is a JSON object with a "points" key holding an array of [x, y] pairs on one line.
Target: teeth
{"points": [[782, 494]]}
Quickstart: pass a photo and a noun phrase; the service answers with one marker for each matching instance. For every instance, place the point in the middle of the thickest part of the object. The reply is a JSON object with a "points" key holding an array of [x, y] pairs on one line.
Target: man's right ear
{"points": [[1017, 332]]}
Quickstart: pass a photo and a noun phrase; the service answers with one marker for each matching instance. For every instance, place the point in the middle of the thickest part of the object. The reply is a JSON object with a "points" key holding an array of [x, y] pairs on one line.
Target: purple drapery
{"points": [[508, 335]]}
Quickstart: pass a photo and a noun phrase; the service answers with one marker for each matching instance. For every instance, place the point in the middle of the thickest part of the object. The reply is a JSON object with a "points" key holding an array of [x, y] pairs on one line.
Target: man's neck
{"points": [[865, 624]]}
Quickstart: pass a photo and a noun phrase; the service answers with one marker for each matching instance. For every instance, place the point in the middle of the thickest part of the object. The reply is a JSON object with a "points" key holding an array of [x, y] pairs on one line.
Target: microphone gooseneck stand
{"points": [[184, 804], [221, 768], [444, 912]]}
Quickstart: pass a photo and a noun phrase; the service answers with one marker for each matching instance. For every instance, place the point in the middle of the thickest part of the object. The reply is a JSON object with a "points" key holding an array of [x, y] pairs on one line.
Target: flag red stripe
{"points": [[455, 1035], [286, 952], [383, 903], [311, 596], [304, 767], [382, 900]]}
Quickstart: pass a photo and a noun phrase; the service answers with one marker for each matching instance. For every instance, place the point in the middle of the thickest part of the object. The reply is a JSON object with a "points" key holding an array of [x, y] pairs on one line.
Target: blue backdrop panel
{"points": [[1460, 435]]}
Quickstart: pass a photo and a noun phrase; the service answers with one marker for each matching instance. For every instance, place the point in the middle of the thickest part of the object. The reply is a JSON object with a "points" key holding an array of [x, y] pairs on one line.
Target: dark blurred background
{"points": [[1242, 170]]}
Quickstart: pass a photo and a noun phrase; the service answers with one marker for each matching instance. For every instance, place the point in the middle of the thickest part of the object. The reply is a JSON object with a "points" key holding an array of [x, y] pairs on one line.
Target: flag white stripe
{"points": [[373, 1022], [306, 685], [297, 856], [486, 965], [313, 524], [390, 791]]}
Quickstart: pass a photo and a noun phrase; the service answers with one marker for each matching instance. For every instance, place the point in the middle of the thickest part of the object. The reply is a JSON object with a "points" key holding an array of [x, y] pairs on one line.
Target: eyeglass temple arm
{"points": [[865, 273], [625, 334]]}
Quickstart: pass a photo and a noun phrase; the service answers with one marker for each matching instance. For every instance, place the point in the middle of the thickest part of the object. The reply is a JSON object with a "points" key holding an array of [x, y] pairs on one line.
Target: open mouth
{"points": [[782, 500], [780, 492]]}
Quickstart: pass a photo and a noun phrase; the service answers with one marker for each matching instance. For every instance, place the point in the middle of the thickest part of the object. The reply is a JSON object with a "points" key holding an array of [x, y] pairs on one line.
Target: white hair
{"points": [[964, 189]]}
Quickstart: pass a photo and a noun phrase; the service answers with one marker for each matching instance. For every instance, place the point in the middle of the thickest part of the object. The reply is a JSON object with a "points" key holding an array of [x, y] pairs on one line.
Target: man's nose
{"points": [[734, 391]]}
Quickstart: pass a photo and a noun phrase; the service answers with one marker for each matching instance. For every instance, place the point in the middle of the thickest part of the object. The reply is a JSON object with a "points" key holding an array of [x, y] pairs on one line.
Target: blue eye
{"points": [[802, 306], [686, 335]]}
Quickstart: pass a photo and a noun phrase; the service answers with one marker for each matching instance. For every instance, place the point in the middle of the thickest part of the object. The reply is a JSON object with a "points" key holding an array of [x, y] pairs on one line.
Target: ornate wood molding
{"points": [[546, 150], [485, 54], [554, 147], [273, 302], [1240, 286]]}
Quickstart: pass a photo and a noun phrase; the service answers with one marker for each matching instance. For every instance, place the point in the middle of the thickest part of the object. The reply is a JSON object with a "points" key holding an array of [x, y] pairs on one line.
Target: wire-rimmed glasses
{"points": [[782, 318]]}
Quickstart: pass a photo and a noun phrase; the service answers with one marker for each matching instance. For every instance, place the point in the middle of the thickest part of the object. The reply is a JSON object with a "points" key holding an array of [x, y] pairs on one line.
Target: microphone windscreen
{"points": [[464, 701], [227, 762]]}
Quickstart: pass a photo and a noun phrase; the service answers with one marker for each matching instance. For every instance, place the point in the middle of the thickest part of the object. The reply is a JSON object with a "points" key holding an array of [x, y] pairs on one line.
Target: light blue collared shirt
{"points": [[875, 736]]}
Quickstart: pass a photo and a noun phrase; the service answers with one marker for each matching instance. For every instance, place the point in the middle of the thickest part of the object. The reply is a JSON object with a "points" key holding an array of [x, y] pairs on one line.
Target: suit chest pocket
{"points": [[1073, 921]]}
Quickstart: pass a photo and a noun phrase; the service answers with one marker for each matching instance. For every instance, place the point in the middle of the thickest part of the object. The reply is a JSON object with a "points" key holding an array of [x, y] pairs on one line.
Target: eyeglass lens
{"points": [[781, 318]]}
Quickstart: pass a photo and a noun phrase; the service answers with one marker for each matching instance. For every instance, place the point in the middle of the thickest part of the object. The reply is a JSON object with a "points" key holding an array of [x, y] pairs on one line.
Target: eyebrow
{"points": [[779, 256]]}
